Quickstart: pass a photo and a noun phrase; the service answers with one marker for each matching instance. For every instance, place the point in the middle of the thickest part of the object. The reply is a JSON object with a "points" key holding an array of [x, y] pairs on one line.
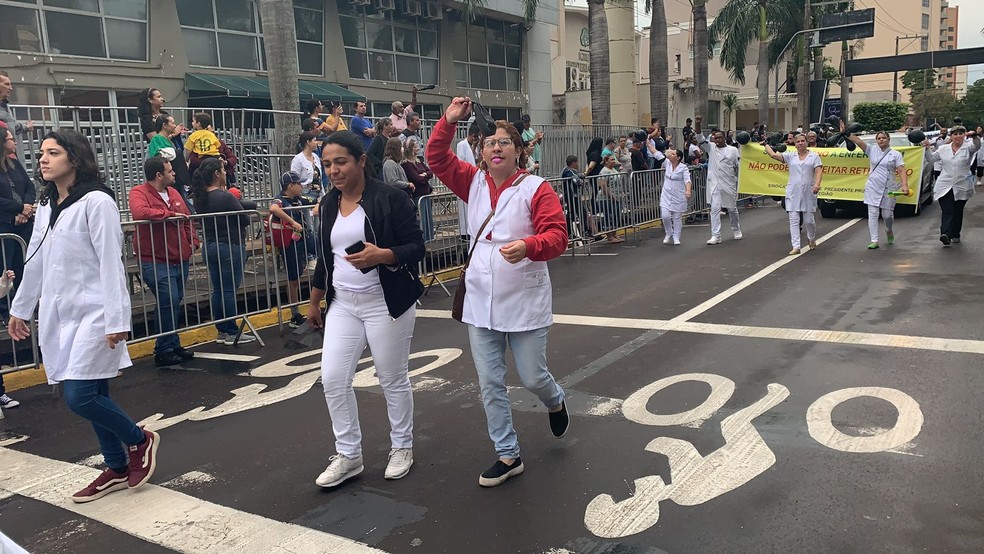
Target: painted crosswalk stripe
{"points": [[163, 516]]}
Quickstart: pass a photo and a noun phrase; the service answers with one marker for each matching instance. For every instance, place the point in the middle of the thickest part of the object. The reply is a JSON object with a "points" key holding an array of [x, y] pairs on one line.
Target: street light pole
{"points": [[895, 81]]}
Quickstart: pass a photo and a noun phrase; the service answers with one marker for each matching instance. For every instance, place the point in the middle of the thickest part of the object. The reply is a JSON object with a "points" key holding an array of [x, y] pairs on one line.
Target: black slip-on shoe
{"points": [[560, 421], [499, 472]]}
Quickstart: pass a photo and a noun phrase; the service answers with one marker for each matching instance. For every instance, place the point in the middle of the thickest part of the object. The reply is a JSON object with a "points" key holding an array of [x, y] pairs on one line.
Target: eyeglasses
{"points": [[503, 142]]}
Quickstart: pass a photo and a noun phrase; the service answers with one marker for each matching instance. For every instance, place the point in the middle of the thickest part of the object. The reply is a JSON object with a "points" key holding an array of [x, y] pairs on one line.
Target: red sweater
{"points": [[550, 239], [166, 242]]}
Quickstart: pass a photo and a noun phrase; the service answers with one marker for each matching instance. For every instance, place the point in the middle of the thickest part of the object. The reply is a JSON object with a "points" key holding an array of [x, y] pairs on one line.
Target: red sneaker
{"points": [[107, 482], [143, 459]]}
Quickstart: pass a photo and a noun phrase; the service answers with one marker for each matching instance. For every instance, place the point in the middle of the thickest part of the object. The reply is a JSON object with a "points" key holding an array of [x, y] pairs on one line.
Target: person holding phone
{"points": [[518, 224], [370, 245]]}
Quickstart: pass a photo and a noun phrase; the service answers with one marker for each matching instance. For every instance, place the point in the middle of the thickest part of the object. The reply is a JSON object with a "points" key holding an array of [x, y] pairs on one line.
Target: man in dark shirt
{"points": [[688, 131]]}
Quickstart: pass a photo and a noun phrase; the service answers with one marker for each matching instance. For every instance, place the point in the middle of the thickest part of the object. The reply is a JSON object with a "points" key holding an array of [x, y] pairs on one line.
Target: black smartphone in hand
{"points": [[355, 249]]}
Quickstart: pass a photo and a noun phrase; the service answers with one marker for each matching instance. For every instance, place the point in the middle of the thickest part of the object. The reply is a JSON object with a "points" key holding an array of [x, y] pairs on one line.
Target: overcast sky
{"points": [[969, 32]]}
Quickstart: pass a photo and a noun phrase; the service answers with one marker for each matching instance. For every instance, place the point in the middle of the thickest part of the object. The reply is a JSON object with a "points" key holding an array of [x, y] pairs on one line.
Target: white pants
{"points": [[352, 319], [794, 227], [672, 224], [716, 216], [887, 214]]}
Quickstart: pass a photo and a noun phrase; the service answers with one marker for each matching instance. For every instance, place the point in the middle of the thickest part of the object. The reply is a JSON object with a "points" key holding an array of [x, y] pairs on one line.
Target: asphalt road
{"points": [[726, 399]]}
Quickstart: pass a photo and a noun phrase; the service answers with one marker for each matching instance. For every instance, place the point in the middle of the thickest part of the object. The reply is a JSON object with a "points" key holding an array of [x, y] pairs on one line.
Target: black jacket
{"points": [[391, 222], [16, 189]]}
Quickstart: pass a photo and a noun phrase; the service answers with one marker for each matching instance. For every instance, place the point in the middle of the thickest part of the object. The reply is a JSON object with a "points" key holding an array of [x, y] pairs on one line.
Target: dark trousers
{"points": [[952, 220]]}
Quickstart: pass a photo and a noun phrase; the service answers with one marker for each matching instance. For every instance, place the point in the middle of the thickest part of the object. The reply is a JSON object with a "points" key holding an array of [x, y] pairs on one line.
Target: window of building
{"points": [[388, 44], [118, 30], [925, 21], [235, 39], [487, 54], [925, 3], [677, 66], [507, 114], [713, 114], [924, 44]]}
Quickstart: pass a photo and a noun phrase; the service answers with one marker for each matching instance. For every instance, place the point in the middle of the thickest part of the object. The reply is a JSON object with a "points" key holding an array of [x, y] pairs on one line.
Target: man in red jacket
{"points": [[164, 247]]}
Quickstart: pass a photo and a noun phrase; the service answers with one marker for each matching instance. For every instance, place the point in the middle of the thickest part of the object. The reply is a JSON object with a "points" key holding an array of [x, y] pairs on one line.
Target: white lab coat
{"points": [[79, 279], [465, 153], [722, 174], [799, 190], [672, 197], [881, 179], [955, 173], [501, 296]]}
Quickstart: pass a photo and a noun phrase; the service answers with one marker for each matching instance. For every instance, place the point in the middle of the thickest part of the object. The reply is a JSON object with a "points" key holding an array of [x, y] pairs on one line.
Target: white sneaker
{"points": [[676, 242], [667, 239], [8, 402], [312, 264], [400, 460], [221, 338], [244, 338], [738, 235], [339, 469], [714, 240]]}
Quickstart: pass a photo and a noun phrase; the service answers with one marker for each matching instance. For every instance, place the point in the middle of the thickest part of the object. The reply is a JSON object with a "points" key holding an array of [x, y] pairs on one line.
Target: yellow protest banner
{"points": [[844, 173]]}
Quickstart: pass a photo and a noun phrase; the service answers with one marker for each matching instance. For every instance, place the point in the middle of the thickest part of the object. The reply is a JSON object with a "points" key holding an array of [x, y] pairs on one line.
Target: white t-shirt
{"points": [[346, 232], [165, 197]]}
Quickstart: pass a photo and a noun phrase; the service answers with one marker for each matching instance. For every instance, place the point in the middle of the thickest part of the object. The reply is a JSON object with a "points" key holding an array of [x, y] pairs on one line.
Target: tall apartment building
{"points": [[954, 78], [210, 53]]}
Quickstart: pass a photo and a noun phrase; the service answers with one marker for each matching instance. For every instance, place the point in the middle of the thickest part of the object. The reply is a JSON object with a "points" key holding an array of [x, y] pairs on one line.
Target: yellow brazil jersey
{"points": [[203, 142]]}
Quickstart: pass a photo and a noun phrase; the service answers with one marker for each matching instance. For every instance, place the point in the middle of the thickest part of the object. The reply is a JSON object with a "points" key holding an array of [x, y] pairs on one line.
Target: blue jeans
{"points": [[90, 400], [225, 269], [529, 349], [427, 218], [167, 282]]}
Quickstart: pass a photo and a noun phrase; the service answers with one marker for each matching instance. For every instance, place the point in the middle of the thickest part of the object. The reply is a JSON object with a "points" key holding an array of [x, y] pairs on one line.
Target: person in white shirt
{"points": [[674, 197], [954, 187], [77, 280], [885, 164], [722, 184], [805, 174], [469, 151]]}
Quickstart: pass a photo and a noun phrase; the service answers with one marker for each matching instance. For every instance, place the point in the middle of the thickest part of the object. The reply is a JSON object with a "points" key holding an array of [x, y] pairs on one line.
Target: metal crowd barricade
{"points": [[646, 187], [16, 355], [444, 227], [155, 257]]}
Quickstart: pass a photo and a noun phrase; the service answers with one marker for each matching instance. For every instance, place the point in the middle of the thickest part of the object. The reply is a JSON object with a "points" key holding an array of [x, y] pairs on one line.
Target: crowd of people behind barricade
{"points": [[351, 210]]}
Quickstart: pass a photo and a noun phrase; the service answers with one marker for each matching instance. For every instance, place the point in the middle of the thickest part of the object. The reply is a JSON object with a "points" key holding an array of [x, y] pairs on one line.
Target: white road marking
{"points": [[162, 516], [226, 357], [762, 274], [694, 479], [634, 407], [190, 479], [967, 346], [907, 426]]}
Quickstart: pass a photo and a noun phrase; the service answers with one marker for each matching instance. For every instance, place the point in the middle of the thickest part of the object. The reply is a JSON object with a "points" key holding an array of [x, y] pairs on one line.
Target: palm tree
{"points": [[659, 64], [280, 45], [701, 54], [768, 23], [601, 88], [730, 104]]}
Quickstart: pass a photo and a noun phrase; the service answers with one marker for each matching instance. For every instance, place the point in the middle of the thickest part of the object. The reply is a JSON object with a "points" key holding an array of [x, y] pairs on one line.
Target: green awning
{"points": [[202, 84]]}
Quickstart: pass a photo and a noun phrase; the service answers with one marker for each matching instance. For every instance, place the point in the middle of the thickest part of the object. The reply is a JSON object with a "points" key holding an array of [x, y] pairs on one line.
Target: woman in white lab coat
{"points": [[955, 186], [805, 173], [885, 164], [75, 270], [674, 195]]}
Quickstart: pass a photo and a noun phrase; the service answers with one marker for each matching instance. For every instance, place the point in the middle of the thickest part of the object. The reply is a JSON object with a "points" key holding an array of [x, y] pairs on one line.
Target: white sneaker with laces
{"points": [[714, 240], [8, 402], [244, 338], [339, 469], [738, 235], [400, 460], [676, 242], [667, 239], [221, 338]]}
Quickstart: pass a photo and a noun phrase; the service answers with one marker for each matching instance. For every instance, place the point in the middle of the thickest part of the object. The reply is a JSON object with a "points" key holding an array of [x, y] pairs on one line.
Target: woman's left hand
{"points": [[112, 339], [816, 189], [514, 252], [370, 257], [687, 195]]}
